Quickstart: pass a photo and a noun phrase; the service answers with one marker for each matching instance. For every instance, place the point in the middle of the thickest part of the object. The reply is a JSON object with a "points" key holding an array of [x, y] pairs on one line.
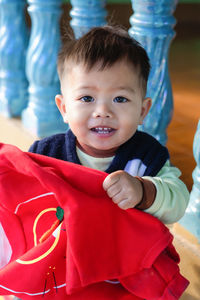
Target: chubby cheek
{"points": [[77, 120], [129, 127], [129, 120]]}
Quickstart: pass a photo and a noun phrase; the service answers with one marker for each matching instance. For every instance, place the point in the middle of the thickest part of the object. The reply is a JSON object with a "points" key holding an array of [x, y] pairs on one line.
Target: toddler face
{"points": [[102, 107]]}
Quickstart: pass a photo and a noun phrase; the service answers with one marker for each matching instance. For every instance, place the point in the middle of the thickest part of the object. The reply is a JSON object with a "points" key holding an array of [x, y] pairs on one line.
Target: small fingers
{"points": [[122, 189], [113, 192], [125, 204], [110, 180], [118, 198]]}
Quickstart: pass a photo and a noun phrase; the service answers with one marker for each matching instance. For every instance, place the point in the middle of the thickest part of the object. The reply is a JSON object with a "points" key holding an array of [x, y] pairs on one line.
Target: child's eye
{"points": [[87, 99], [120, 99]]}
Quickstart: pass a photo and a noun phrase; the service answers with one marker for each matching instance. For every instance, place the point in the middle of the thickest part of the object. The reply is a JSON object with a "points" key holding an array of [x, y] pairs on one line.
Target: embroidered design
{"points": [[59, 213]]}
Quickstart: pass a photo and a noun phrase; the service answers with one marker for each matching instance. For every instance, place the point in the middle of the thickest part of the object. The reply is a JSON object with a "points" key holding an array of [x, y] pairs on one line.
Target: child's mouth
{"points": [[103, 130]]}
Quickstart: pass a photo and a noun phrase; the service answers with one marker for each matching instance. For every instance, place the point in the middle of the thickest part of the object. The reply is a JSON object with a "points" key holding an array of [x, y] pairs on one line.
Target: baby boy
{"points": [[103, 78]]}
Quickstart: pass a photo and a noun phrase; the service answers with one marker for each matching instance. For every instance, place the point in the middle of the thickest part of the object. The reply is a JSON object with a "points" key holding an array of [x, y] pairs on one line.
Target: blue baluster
{"points": [[191, 219], [13, 45], [41, 116], [87, 14], [152, 25]]}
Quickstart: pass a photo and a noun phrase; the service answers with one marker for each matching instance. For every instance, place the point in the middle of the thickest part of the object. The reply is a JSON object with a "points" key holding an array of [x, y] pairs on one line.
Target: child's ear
{"points": [[61, 106], [146, 105]]}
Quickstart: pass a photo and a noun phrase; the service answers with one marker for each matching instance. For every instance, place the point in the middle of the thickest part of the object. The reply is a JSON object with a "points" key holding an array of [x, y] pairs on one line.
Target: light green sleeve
{"points": [[172, 196]]}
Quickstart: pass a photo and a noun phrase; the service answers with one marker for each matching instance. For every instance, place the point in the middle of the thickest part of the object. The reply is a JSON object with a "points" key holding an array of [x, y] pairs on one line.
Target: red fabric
{"points": [[98, 252]]}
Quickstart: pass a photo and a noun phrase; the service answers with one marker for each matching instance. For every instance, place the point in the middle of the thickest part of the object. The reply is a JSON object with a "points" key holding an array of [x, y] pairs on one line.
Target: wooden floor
{"points": [[184, 65]]}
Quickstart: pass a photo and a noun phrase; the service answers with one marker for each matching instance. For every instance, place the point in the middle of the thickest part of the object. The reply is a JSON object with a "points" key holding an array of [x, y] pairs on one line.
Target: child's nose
{"points": [[102, 111]]}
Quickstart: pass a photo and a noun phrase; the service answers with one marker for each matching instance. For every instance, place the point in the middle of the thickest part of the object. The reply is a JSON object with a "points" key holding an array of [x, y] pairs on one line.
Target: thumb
{"points": [[111, 179]]}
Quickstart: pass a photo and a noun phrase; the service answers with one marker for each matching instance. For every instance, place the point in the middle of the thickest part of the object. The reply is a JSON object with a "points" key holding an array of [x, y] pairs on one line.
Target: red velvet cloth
{"points": [[97, 252]]}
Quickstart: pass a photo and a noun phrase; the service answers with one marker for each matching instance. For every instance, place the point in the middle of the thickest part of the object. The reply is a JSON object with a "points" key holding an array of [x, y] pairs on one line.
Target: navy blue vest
{"points": [[141, 155]]}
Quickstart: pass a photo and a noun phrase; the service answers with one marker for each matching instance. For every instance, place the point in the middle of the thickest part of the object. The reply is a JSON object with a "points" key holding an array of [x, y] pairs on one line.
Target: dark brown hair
{"points": [[106, 45]]}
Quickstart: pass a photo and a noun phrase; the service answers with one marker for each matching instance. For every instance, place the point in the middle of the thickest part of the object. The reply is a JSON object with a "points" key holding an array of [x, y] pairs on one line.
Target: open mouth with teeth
{"points": [[103, 130]]}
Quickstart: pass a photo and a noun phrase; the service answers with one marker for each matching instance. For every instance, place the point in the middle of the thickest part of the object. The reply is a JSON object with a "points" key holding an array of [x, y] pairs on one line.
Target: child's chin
{"points": [[104, 152]]}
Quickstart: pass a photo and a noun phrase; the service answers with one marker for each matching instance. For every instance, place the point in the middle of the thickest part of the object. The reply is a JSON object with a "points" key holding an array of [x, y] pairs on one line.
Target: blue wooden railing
{"points": [[152, 25], [28, 76], [41, 115], [13, 45]]}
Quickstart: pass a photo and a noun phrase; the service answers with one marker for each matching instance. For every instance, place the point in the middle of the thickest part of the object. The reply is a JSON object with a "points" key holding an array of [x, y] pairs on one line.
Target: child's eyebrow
{"points": [[126, 88], [85, 87], [118, 88]]}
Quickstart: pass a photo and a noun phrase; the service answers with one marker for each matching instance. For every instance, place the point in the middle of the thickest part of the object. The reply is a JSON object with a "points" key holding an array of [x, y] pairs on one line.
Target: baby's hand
{"points": [[125, 190]]}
